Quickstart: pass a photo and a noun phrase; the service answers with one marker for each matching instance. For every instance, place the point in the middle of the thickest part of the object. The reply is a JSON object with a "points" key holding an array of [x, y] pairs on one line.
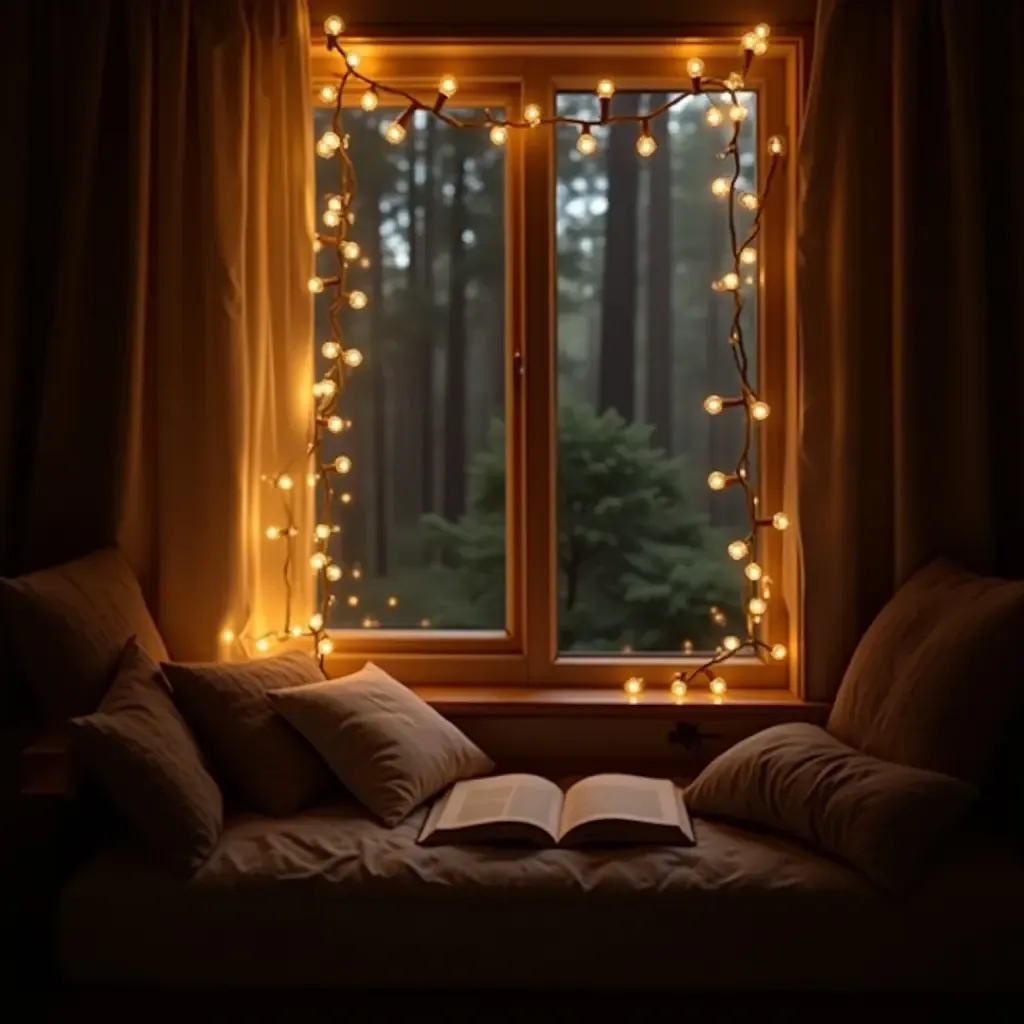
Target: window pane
{"points": [[642, 340], [422, 540]]}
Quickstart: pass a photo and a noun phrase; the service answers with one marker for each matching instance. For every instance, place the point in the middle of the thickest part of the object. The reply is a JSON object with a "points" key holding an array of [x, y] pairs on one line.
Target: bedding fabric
{"points": [[330, 896]]}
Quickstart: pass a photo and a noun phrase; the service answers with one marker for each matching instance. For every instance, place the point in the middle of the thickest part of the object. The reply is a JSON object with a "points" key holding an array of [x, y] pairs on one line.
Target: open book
{"points": [[526, 808]]}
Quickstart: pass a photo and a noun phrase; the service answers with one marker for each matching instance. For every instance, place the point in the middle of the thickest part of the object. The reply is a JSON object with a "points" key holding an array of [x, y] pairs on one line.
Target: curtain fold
{"points": [[167, 370], [912, 346]]}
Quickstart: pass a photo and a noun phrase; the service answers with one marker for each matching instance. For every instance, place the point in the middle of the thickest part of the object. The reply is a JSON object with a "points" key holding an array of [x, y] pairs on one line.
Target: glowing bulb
{"points": [[346, 498], [227, 636], [333, 572], [448, 86], [357, 300], [311, 479], [353, 601], [273, 532], [332, 218], [760, 48], [748, 256], [395, 133], [687, 647], [334, 26], [731, 643], [317, 245], [365, 262], [357, 573], [350, 250], [713, 405], [720, 187], [285, 482], [760, 410], [330, 350], [325, 646], [634, 686], [424, 623], [352, 60], [779, 652], [322, 149], [716, 480], [749, 40], [714, 116], [749, 201], [586, 143], [367, 623], [353, 358], [322, 531], [734, 81], [738, 112], [263, 644], [606, 88], [328, 93], [677, 689], [315, 285], [334, 203], [335, 424], [369, 100], [731, 281], [318, 561], [718, 686], [499, 134], [645, 145], [316, 622], [392, 602], [780, 521], [328, 387], [343, 464], [756, 606], [738, 550], [332, 140], [295, 631], [777, 145], [753, 571], [531, 113], [762, 31], [695, 67]]}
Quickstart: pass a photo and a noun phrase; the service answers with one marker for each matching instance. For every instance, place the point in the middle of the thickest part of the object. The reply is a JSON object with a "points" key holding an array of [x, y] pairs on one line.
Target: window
{"points": [[528, 499]]}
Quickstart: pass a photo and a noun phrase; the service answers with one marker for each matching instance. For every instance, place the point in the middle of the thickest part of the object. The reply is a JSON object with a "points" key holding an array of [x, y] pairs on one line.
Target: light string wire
{"points": [[339, 216]]}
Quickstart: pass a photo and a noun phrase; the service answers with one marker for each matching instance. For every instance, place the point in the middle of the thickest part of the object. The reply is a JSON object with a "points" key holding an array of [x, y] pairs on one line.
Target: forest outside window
{"points": [[528, 500]]}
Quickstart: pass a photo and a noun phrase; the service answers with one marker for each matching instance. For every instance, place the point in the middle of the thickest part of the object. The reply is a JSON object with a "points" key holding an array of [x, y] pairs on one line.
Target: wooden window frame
{"points": [[513, 73]]}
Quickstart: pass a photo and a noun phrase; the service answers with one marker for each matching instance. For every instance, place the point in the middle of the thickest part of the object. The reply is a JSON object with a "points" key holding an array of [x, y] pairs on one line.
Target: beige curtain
{"points": [[175, 356], [911, 339]]}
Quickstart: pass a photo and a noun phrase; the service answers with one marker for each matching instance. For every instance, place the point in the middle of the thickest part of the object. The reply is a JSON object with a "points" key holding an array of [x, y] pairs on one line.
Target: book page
{"points": [[620, 797], [526, 798]]}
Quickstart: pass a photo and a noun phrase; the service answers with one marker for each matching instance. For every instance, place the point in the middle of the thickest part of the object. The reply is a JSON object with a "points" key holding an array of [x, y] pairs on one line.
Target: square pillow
{"points": [[938, 676], [146, 761], [69, 626], [390, 749], [271, 766], [886, 820]]}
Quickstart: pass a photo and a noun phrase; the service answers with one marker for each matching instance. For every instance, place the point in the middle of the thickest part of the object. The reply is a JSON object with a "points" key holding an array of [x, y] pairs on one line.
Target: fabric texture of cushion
{"points": [[884, 819], [273, 768], [146, 760], [938, 676], [390, 749], [69, 626]]}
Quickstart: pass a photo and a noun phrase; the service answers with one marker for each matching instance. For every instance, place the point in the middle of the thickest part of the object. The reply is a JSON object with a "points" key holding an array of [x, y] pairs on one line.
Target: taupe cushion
{"points": [[390, 749], [939, 674], [884, 819], [69, 626], [147, 762], [273, 768]]}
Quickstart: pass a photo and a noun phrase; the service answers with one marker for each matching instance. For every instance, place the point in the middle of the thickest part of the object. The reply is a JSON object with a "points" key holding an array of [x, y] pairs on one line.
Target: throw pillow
{"points": [[883, 819], [273, 768], [147, 762], [390, 749], [69, 626], [938, 676]]}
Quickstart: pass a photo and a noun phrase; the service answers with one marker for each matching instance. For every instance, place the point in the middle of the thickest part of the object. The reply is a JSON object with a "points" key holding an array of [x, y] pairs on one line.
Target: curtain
{"points": [[912, 346], [157, 347]]}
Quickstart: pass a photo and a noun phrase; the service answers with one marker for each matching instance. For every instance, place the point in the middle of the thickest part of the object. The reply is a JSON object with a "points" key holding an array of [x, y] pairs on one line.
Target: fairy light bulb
{"points": [[227, 636], [734, 81], [738, 550], [499, 134], [263, 645], [718, 686], [323, 150], [749, 40], [285, 482], [334, 25], [330, 350], [273, 532], [353, 358], [586, 143], [777, 145], [731, 281], [392, 602], [448, 86], [763, 30], [760, 47], [350, 250], [295, 631], [343, 464], [353, 601], [748, 256], [335, 424], [531, 114], [780, 521], [395, 133], [311, 479], [738, 112], [332, 218], [328, 387], [328, 93], [714, 116], [322, 531], [695, 67], [317, 245], [720, 187], [760, 410], [346, 498], [318, 561], [731, 643], [756, 606], [324, 646], [333, 572], [334, 203], [633, 686], [678, 688], [315, 285], [369, 100], [606, 88], [352, 60], [357, 300], [316, 622], [331, 140], [713, 405], [716, 480], [646, 145], [752, 571], [749, 201]]}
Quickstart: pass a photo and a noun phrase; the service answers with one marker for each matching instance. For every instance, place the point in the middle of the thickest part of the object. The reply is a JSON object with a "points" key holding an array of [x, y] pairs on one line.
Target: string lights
{"points": [[724, 105]]}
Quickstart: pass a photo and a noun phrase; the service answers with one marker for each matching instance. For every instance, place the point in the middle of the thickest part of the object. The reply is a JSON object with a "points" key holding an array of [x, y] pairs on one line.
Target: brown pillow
{"points": [[147, 762], [390, 749], [274, 769], [938, 675], [69, 626], [884, 819]]}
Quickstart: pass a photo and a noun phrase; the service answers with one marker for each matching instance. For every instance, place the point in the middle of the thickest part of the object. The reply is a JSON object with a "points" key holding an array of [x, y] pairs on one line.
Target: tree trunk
{"points": [[617, 384], [455, 362], [425, 350], [659, 286], [375, 516], [717, 352]]}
